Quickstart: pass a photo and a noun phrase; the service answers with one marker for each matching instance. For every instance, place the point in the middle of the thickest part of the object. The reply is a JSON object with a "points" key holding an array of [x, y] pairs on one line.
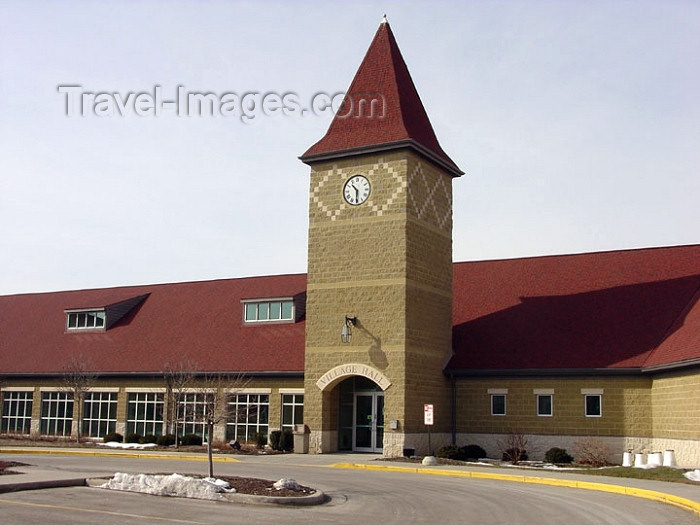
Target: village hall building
{"points": [[384, 329]]}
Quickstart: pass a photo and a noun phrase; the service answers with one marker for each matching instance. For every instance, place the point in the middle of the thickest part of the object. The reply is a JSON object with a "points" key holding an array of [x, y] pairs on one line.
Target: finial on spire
{"points": [[384, 20]]}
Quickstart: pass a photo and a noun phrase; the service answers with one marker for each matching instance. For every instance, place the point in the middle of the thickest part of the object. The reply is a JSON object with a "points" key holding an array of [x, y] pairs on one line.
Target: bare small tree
{"points": [[514, 447], [78, 377], [178, 378], [217, 390]]}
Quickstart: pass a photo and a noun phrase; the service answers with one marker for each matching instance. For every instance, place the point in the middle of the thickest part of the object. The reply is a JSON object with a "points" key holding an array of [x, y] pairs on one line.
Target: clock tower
{"points": [[379, 289]]}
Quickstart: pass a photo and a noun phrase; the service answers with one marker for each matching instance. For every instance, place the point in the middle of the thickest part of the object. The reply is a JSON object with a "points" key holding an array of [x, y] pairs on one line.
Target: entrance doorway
{"points": [[368, 435], [360, 416]]}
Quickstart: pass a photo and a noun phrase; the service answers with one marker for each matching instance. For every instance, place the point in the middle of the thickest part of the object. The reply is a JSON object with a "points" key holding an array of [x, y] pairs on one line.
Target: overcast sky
{"points": [[577, 124]]}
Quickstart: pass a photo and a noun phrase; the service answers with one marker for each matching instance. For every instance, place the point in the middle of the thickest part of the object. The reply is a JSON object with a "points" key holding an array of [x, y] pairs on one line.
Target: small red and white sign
{"points": [[428, 414]]}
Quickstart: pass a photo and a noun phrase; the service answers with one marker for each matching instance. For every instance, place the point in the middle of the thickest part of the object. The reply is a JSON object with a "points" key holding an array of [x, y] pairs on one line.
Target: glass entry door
{"points": [[368, 431]]}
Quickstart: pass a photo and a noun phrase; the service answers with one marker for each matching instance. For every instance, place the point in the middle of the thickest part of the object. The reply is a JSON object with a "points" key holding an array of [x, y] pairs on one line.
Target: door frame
{"points": [[376, 445]]}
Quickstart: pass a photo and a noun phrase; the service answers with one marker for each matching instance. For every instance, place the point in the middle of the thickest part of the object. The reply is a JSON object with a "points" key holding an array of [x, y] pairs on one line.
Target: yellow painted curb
{"points": [[684, 503], [108, 453]]}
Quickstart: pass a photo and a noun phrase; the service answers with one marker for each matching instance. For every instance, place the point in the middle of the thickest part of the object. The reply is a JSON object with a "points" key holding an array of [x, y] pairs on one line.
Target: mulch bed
{"points": [[263, 487], [5, 465]]}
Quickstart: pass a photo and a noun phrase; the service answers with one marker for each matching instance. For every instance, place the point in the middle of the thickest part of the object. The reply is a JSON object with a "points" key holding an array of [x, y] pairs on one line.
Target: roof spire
{"points": [[384, 20], [381, 111]]}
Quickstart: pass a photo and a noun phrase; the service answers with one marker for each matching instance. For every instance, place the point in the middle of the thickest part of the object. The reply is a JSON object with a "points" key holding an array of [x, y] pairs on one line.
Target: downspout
{"points": [[454, 409]]}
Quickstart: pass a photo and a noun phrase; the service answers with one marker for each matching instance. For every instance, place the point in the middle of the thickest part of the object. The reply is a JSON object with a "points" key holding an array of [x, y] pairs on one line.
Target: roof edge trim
{"points": [[453, 170], [533, 372]]}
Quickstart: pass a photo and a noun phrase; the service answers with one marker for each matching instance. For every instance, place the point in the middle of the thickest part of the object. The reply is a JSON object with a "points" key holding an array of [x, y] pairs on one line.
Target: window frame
{"points": [[294, 403], [551, 405], [56, 417], [267, 304], [500, 396], [600, 404], [244, 406], [99, 413], [145, 403], [192, 411], [74, 321], [16, 411]]}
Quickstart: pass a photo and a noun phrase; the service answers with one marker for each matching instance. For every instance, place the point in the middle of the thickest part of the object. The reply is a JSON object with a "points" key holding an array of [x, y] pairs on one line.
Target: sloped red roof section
{"points": [[624, 310], [198, 322], [399, 118], [611, 310]]}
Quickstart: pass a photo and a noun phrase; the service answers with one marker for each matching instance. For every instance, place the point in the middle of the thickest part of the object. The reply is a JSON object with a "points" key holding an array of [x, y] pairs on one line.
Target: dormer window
{"points": [[99, 318], [262, 311], [86, 320]]}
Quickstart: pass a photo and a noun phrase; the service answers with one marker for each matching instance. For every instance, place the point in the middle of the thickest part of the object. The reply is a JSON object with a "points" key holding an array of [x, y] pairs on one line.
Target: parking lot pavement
{"points": [[681, 495]]}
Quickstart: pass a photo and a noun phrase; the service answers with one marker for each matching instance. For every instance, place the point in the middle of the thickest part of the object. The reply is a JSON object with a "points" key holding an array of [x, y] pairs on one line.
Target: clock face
{"points": [[356, 190]]}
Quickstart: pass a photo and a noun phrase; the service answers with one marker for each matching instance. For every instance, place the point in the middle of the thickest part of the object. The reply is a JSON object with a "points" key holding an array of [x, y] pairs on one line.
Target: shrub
{"points": [[592, 451], [514, 447], [113, 436], [166, 440], [473, 452], [133, 438], [287, 440], [558, 455], [148, 438], [515, 454], [450, 452], [276, 440], [260, 440], [190, 440]]}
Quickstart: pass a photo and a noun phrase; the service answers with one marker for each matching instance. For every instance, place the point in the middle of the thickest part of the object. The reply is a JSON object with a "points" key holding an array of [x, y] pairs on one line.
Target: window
{"points": [[248, 416], [594, 405], [498, 404], [16, 412], [56, 413], [544, 405], [144, 413], [292, 410], [192, 413], [266, 311], [99, 413], [86, 320]]}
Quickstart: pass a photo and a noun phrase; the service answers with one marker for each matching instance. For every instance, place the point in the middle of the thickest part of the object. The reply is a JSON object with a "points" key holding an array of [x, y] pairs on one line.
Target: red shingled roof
{"points": [[198, 321], [624, 310], [383, 76], [611, 310]]}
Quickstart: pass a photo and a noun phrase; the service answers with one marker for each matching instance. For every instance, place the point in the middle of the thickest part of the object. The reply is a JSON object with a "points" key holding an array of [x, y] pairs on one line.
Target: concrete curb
{"points": [[119, 454], [38, 485], [662, 497], [316, 498]]}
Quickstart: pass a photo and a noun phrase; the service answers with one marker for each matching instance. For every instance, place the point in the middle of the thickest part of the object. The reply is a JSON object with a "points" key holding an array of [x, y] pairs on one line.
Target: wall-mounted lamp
{"points": [[345, 332]]}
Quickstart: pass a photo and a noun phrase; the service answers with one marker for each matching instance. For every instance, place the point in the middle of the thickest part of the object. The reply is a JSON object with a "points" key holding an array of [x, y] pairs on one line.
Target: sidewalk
{"points": [[682, 495]]}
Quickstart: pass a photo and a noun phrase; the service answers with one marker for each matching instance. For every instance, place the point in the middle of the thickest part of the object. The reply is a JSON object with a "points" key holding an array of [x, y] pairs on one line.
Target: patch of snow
{"points": [[286, 483], [693, 475], [115, 444], [171, 485]]}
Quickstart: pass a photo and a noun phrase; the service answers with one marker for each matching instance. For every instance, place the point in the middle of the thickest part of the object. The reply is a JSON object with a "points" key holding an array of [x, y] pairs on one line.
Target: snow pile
{"points": [[172, 485], [115, 444], [286, 483], [693, 475]]}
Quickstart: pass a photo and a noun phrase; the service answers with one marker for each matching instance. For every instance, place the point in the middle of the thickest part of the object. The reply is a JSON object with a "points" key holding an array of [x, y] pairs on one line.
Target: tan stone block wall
{"points": [[687, 452], [676, 405], [626, 403], [389, 263]]}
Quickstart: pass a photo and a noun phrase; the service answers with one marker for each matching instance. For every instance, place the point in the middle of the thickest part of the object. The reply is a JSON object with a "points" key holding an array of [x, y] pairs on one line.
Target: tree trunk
{"points": [[210, 431]]}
